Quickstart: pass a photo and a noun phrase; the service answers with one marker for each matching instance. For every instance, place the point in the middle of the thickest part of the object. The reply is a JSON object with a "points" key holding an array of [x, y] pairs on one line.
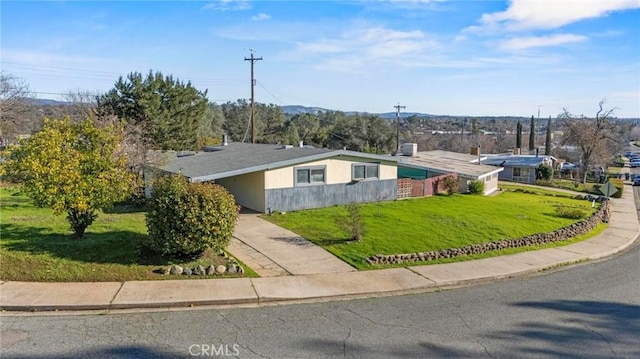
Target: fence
{"points": [[408, 187]]}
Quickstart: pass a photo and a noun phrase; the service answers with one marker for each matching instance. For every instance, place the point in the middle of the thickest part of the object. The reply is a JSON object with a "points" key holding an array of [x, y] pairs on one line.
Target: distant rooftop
{"points": [[448, 162], [515, 160]]}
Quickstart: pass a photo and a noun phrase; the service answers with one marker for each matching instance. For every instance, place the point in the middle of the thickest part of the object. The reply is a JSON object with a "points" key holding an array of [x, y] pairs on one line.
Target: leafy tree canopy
{"points": [[73, 168], [171, 111], [270, 122]]}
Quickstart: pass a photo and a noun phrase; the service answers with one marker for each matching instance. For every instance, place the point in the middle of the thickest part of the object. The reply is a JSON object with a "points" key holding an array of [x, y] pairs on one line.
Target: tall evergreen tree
{"points": [[474, 126], [236, 120], [532, 135], [270, 122], [519, 135], [169, 110], [547, 144]]}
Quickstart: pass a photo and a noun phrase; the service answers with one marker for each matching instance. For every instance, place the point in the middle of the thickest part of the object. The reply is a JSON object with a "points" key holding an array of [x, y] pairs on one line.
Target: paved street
{"points": [[588, 311]]}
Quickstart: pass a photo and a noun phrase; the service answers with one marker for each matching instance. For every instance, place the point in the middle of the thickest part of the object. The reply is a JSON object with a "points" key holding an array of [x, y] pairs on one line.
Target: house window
{"points": [[521, 174], [310, 175], [516, 172], [362, 171]]}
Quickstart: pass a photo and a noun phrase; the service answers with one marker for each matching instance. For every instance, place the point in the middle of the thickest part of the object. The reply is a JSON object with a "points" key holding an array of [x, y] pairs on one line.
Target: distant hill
{"points": [[404, 114], [49, 102], [297, 109]]}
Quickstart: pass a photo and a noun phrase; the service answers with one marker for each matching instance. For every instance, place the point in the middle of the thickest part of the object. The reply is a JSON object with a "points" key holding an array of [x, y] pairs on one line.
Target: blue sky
{"points": [[440, 57]]}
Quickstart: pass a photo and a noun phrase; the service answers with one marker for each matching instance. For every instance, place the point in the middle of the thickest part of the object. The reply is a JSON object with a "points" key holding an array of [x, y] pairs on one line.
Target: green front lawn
{"points": [[35, 245], [433, 223]]}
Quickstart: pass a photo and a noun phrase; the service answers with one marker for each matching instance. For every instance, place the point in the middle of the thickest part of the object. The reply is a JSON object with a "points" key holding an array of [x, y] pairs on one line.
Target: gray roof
{"points": [[238, 158], [448, 162], [448, 155], [515, 160]]}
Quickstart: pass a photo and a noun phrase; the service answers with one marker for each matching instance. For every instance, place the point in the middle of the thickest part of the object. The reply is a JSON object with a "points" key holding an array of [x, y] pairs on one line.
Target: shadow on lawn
{"points": [[122, 208], [115, 247]]}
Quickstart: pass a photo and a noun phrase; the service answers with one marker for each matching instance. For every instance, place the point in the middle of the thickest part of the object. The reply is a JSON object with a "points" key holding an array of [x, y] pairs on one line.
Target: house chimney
{"points": [[479, 154], [537, 151], [225, 139], [301, 144]]}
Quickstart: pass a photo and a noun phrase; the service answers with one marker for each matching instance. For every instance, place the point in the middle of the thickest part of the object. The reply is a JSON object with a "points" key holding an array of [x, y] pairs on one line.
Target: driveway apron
{"points": [[289, 251]]}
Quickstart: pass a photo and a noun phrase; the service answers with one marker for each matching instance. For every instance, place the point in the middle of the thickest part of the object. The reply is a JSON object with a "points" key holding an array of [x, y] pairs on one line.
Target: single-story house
{"points": [[268, 178], [519, 168], [427, 164]]}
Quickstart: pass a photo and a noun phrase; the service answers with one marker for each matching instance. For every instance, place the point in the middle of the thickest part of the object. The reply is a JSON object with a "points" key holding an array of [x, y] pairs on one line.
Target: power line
{"points": [[68, 72], [269, 92]]}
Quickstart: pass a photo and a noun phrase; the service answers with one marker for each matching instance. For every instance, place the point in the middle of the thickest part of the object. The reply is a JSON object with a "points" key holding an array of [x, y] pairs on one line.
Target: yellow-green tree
{"points": [[73, 168]]}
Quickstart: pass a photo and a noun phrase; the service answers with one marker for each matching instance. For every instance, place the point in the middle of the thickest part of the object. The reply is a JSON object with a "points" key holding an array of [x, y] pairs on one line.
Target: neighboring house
{"points": [[268, 178], [519, 168], [428, 164]]}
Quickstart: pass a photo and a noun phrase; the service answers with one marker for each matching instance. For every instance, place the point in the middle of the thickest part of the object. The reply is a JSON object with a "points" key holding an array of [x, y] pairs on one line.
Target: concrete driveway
{"points": [[273, 251]]}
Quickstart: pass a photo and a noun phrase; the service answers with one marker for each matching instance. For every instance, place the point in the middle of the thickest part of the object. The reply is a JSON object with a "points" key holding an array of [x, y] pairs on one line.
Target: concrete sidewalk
{"points": [[622, 232]]}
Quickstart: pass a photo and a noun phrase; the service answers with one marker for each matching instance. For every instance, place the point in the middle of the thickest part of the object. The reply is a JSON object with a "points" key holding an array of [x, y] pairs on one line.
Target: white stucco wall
{"points": [[248, 189], [490, 184], [338, 170]]}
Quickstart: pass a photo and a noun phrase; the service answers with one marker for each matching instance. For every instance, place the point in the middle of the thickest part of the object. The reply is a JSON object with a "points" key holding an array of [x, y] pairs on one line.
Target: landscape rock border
{"points": [[231, 268], [562, 234]]}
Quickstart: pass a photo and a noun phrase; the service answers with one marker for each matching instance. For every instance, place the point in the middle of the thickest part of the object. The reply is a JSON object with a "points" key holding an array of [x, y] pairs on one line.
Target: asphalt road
{"points": [[586, 311]]}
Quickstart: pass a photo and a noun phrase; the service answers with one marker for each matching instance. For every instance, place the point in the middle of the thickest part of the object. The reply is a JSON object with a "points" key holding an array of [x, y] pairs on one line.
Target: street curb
{"points": [[266, 301], [255, 298]]}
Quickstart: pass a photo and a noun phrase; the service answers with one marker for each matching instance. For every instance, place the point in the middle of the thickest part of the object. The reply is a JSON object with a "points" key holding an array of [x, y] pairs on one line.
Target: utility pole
{"points": [[253, 103], [398, 107]]}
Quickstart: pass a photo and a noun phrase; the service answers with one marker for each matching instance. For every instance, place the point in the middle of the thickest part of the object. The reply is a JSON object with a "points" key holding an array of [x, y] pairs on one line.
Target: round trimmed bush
{"points": [[476, 187], [185, 219]]}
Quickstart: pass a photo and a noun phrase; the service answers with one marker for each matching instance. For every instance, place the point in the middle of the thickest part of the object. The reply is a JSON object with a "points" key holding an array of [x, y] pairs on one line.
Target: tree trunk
{"points": [[79, 221]]}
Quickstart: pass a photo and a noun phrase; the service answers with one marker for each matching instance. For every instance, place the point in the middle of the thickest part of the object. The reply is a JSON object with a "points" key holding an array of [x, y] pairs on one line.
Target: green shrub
{"points": [[544, 172], [185, 219], [450, 184], [570, 212], [476, 187]]}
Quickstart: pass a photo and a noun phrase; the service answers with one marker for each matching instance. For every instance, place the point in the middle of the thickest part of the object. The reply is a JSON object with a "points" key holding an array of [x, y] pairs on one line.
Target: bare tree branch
{"points": [[15, 102], [593, 137]]}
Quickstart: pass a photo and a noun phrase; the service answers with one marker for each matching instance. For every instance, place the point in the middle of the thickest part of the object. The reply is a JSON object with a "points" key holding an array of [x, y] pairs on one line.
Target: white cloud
{"points": [[228, 5], [261, 17], [368, 46], [521, 43], [528, 14]]}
